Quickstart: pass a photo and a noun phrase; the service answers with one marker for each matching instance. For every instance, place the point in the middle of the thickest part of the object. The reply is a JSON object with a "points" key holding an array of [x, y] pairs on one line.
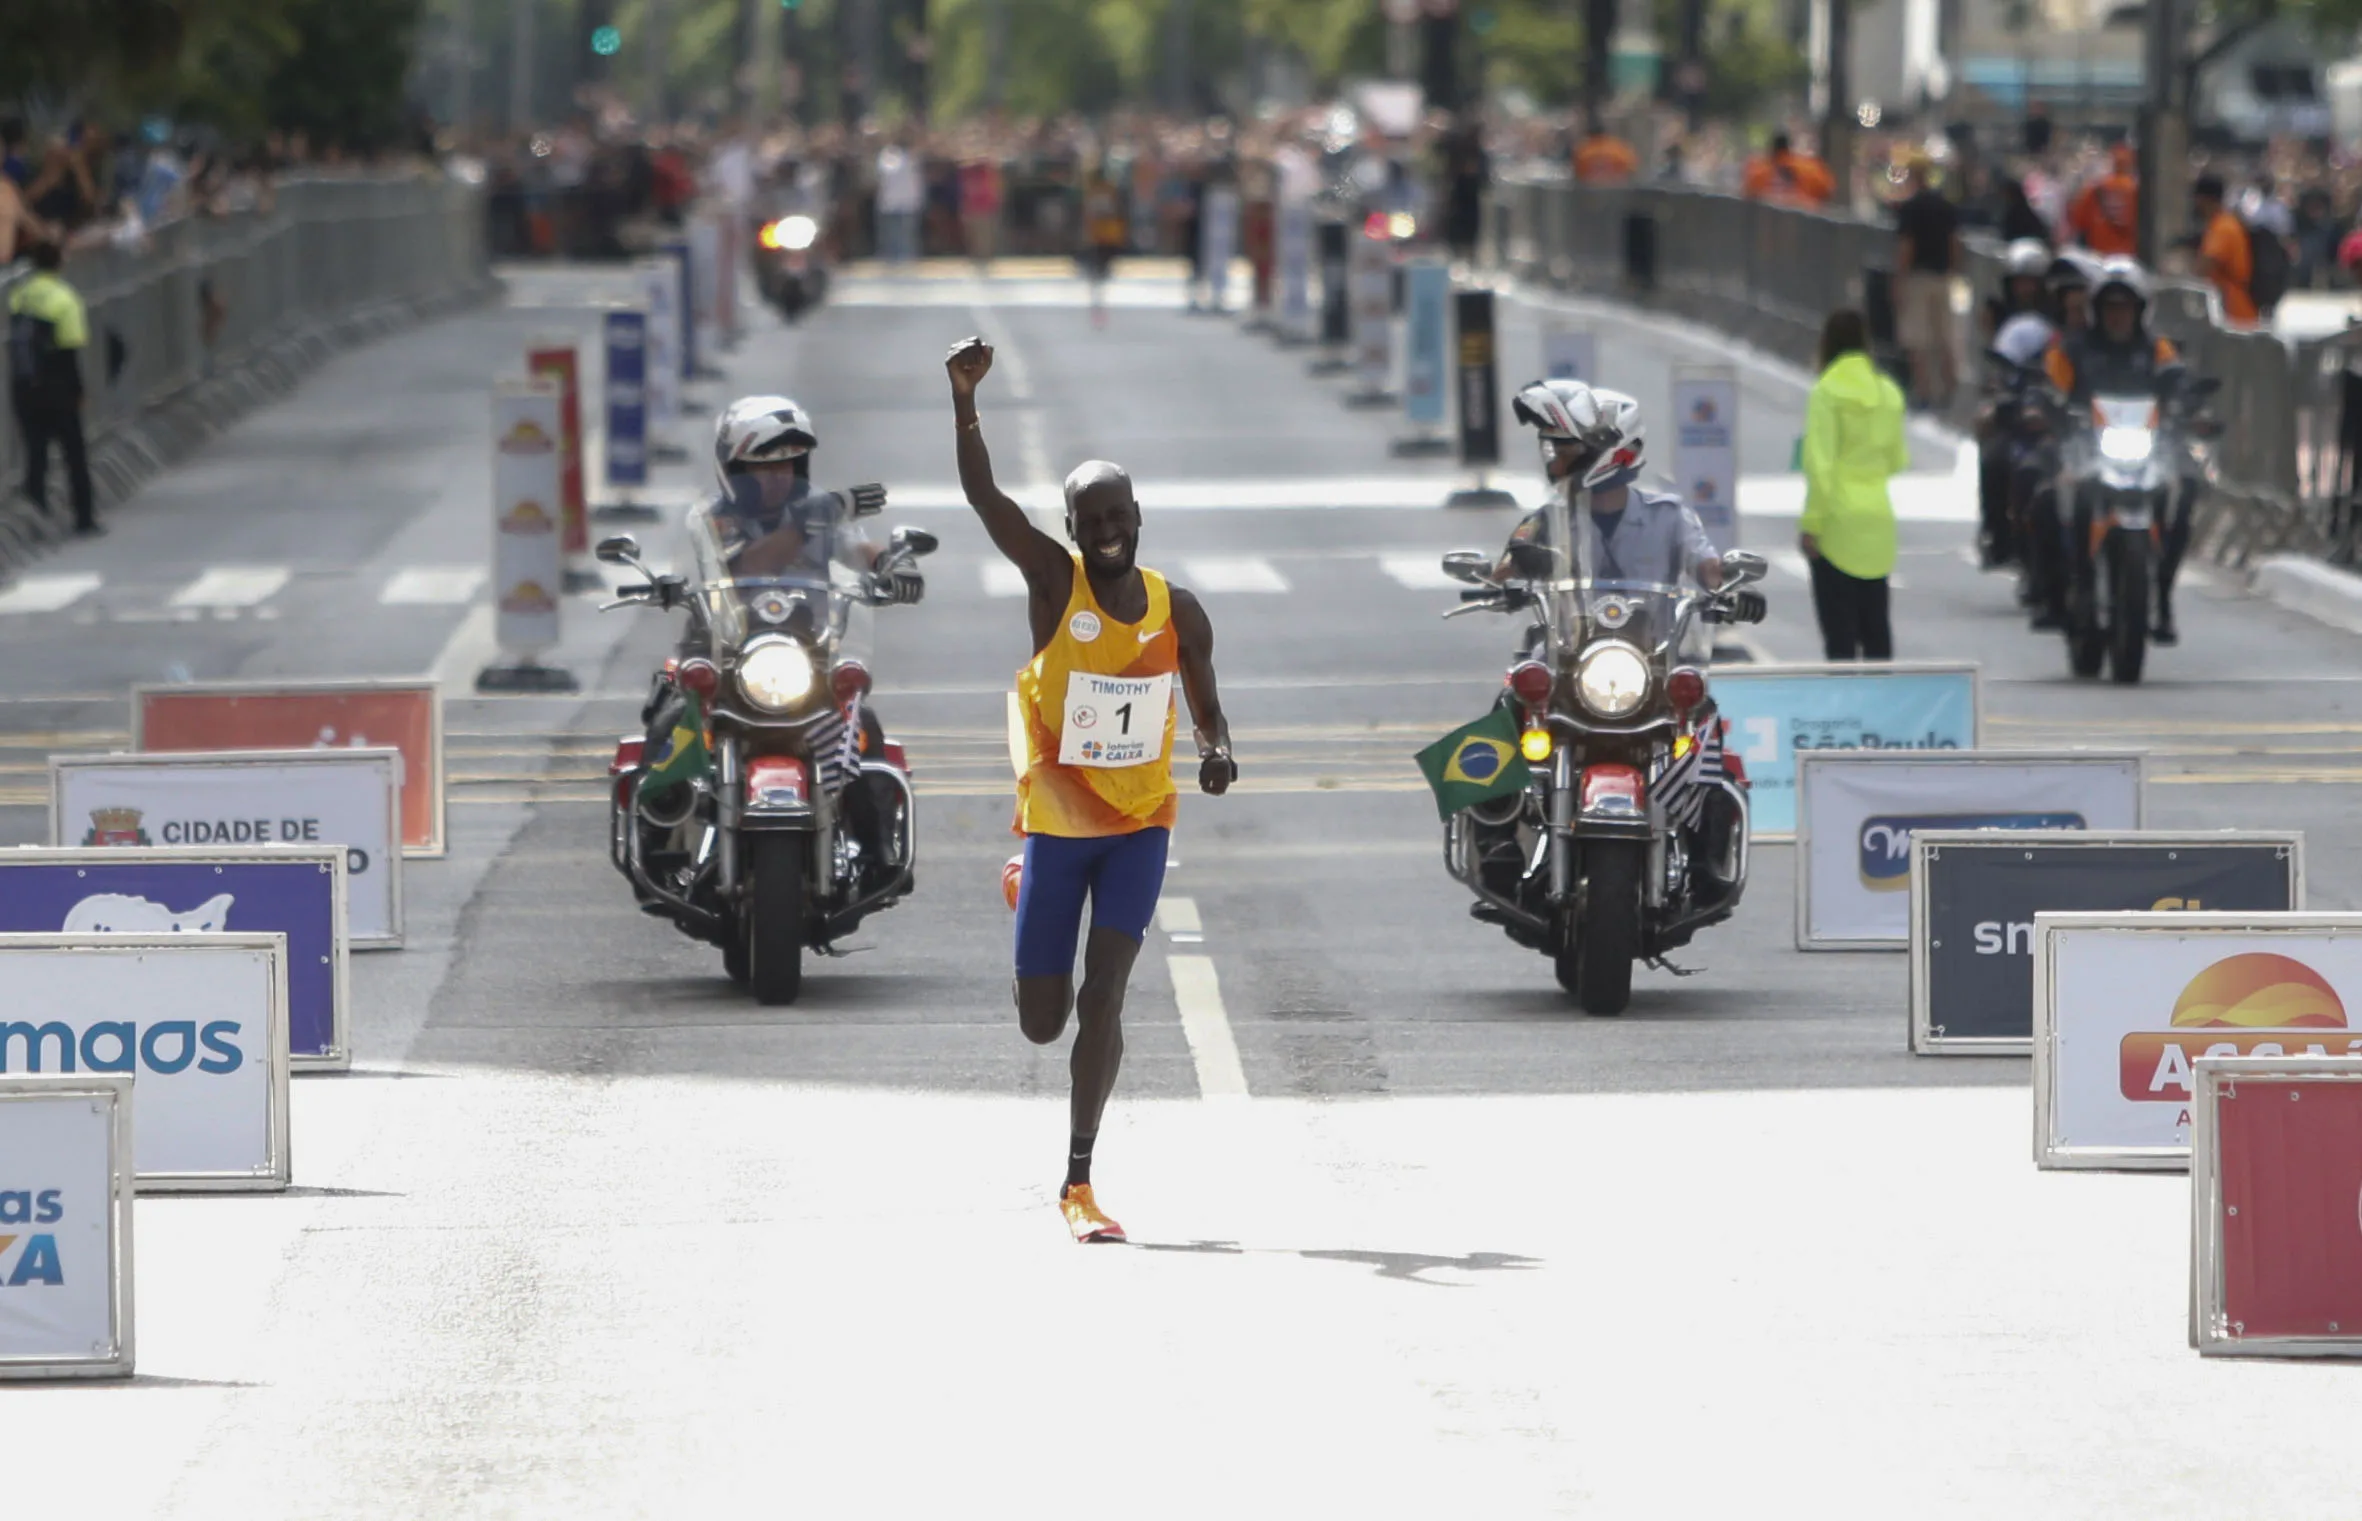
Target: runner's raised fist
{"points": [[968, 363]]}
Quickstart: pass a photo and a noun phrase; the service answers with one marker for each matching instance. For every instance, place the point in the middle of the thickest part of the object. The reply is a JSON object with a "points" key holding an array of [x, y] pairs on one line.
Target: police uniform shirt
{"points": [[1656, 538]]}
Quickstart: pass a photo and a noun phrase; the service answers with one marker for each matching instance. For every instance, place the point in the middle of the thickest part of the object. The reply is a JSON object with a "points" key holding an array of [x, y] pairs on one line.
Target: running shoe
{"points": [[1084, 1217]]}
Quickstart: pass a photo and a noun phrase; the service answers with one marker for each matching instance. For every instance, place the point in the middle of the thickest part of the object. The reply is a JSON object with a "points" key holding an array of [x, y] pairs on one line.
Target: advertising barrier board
{"points": [[1776, 713], [292, 890], [65, 1227], [626, 334], [1426, 372], [2126, 1004], [1570, 354], [198, 1022], [1706, 448], [349, 798], [1856, 811], [556, 361], [1974, 896], [1369, 281], [660, 299], [1295, 271], [1479, 381], [685, 303], [528, 508], [311, 715], [2275, 1230]]}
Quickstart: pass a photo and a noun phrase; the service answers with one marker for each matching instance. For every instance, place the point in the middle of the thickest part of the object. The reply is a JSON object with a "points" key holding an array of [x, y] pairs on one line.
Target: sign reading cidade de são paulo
{"points": [[2126, 1004], [65, 1227], [350, 798]]}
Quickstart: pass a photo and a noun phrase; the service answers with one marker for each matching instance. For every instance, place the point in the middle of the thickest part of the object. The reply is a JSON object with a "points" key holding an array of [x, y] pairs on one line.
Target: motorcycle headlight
{"points": [[1612, 680], [776, 676], [797, 232], [2127, 445]]}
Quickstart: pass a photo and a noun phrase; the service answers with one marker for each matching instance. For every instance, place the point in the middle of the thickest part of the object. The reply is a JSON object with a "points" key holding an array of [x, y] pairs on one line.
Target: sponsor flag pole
{"points": [[1426, 368], [1479, 390], [1336, 308], [528, 572]]}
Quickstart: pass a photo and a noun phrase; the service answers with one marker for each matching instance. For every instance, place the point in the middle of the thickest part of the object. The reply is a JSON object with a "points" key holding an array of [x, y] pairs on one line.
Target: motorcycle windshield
{"points": [[790, 571], [1582, 602]]}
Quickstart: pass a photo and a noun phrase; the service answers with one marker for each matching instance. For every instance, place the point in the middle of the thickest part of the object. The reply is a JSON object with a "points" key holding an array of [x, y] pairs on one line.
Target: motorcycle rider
{"points": [[2024, 268], [2025, 341], [2118, 353], [1593, 444]]}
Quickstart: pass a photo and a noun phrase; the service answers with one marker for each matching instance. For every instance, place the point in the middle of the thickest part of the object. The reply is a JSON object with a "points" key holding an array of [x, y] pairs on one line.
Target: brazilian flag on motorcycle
{"points": [[1475, 762], [684, 754]]}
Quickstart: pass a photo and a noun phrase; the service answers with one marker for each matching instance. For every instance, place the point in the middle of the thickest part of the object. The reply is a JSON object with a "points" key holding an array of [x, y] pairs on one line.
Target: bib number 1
{"points": [[1113, 721]]}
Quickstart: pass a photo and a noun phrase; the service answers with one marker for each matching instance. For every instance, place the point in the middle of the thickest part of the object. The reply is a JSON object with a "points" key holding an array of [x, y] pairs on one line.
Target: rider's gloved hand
{"points": [[865, 499], [1747, 606], [898, 587]]}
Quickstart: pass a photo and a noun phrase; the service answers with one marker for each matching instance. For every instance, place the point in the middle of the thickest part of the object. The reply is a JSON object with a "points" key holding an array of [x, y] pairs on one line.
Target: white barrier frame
{"points": [[2049, 1154], [339, 1056], [2210, 1333], [114, 1360], [230, 758], [1779, 671], [1924, 1040], [437, 774], [1805, 940], [277, 1170]]}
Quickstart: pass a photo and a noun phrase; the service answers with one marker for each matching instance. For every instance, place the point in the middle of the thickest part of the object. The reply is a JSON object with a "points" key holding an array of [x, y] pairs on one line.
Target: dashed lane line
{"points": [[1206, 1026]]}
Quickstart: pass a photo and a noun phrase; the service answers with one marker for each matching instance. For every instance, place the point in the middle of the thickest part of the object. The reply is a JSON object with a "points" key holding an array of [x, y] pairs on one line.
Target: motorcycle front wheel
{"points": [[774, 922], [1595, 961], [2128, 639]]}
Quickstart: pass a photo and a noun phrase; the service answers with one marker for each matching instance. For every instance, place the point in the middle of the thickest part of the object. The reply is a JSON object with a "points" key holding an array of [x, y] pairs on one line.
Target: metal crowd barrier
{"points": [[205, 295], [2290, 459]]}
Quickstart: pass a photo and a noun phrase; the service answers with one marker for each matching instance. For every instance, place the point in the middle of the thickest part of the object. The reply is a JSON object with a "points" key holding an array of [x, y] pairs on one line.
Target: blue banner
{"points": [[131, 891], [627, 398], [1427, 373], [1774, 713]]}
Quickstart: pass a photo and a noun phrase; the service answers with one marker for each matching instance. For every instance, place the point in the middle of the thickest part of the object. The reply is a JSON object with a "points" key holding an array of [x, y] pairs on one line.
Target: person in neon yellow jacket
{"points": [[1853, 443]]}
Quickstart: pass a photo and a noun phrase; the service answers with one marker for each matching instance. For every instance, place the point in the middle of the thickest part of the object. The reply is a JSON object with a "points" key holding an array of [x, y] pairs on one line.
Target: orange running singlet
{"points": [[1098, 710]]}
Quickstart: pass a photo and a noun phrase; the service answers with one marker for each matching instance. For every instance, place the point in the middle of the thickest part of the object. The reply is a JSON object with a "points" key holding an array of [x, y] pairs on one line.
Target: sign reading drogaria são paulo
{"points": [[1779, 713], [65, 1227], [2125, 1004], [1974, 898], [350, 798], [198, 1022], [1857, 810], [2275, 1173], [294, 890]]}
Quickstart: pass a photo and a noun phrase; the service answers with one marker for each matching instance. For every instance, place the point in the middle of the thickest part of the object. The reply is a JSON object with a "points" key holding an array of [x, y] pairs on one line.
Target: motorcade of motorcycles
{"points": [[802, 822], [791, 264], [2024, 422], [2125, 461], [1606, 858]]}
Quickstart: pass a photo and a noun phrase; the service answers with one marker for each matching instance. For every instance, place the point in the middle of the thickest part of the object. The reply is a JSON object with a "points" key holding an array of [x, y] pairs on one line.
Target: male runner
{"points": [[1096, 803]]}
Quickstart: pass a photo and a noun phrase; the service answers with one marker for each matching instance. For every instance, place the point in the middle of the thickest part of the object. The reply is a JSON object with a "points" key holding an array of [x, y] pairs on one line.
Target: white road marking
{"points": [[50, 593], [1918, 498], [1792, 562], [1178, 916], [1232, 573], [1418, 572], [232, 586], [1001, 579], [1206, 1025], [432, 585]]}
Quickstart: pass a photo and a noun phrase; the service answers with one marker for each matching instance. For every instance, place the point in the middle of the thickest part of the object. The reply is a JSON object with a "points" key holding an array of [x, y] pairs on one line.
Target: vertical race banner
{"points": [[555, 360], [705, 269], [1370, 282], [1480, 410], [1295, 271], [1336, 305], [1706, 448], [1426, 377], [732, 228], [685, 302], [1218, 241], [660, 295], [1570, 353], [65, 1226], [527, 568], [626, 333]]}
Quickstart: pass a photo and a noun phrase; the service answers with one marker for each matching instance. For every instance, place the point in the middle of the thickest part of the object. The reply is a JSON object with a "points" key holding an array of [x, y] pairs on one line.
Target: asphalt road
{"points": [[587, 1233]]}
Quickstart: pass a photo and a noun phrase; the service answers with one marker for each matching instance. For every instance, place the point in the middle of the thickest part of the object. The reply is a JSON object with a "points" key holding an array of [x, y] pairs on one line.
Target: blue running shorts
{"points": [[1122, 874]]}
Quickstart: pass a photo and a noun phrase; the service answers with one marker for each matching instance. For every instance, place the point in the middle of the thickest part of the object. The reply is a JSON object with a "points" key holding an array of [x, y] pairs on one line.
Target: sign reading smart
{"points": [[350, 798], [1776, 714], [65, 1227], [296, 891], [1974, 898], [2126, 1004], [199, 1021]]}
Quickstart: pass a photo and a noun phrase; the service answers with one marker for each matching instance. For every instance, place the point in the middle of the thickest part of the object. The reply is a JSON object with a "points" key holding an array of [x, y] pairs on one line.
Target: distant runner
{"points": [[1096, 802]]}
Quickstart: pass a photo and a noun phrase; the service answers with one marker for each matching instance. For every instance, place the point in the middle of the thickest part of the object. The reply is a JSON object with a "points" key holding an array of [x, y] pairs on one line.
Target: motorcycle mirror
{"points": [[1466, 565], [1742, 567], [916, 541], [620, 550]]}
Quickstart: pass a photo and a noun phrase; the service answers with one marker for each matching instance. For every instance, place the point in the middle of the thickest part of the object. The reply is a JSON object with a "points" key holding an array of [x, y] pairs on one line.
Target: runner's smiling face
{"points": [[1104, 522]]}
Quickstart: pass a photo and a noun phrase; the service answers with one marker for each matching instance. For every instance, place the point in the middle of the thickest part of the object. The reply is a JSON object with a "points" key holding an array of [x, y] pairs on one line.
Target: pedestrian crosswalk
{"points": [[433, 585], [232, 586], [48, 594]]}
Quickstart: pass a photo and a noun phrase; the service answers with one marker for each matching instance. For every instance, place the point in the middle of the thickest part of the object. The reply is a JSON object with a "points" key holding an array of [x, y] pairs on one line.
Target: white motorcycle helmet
{"points": [[2120, 274], [2027, 258], [1606, 423], [761, 430]]}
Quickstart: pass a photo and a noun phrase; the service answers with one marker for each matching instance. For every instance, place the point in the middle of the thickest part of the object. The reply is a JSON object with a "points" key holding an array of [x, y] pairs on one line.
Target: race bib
{"points": [[1114, 720]]}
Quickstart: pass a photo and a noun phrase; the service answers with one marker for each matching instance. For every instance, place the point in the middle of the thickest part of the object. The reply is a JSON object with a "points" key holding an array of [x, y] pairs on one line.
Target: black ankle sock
{"points": [[1078, 1160]]}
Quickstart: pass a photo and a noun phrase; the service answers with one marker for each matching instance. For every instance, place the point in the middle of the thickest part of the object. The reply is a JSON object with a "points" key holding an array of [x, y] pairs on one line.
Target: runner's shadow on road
{"points": [[1403, 1266]]}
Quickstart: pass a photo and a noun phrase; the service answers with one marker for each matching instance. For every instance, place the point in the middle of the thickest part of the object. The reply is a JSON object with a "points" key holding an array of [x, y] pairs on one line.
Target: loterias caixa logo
{"points": [[30, 1259], [1885, 842], [2257, 1003]]}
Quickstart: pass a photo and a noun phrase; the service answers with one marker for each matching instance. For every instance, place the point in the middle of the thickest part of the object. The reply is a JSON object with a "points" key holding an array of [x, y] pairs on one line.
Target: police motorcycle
{"points": [[1632, 835], [803, 823], [791, 262]]}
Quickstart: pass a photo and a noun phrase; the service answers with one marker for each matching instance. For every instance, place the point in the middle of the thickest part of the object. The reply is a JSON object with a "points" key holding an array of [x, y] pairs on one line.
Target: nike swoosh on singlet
{"points": [[1150, 634]]}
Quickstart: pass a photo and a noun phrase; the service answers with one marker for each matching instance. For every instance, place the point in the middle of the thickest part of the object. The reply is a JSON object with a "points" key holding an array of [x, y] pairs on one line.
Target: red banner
{"points": [[2291, 1186], [555, 361]]}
